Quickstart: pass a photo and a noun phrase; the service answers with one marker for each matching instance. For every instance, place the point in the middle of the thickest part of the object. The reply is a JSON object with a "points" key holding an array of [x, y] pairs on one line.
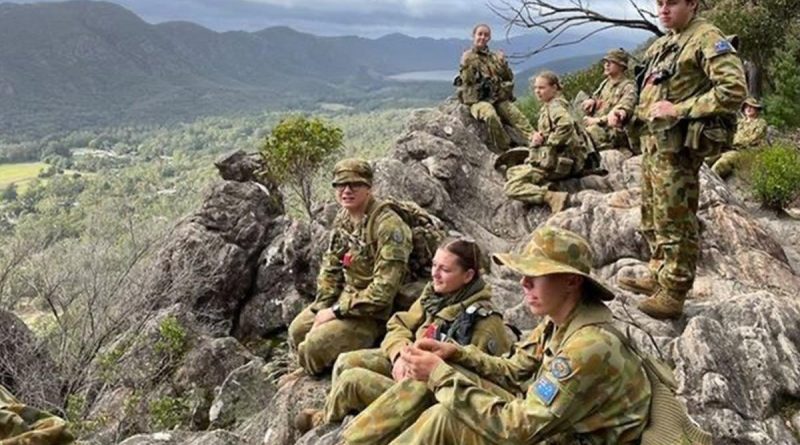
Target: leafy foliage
{"points": [[783, 104], [775, 175], [295, 150], [167, 412]]}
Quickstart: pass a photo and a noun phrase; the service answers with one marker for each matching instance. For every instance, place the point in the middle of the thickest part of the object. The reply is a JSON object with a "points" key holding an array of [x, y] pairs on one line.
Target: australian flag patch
{"points": [[723, 47], [545, 390]]}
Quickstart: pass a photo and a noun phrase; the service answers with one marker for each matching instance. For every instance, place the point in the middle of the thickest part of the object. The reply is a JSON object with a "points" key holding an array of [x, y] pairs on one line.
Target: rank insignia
{"points": [[723, 47], [546, 390], [560, 368]]}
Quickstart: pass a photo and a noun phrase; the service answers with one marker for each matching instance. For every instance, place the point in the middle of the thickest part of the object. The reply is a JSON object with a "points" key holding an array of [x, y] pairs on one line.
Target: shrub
{"points": [[167, 413], [529, 106], [172, 337], [775, 176], [783, 104]]}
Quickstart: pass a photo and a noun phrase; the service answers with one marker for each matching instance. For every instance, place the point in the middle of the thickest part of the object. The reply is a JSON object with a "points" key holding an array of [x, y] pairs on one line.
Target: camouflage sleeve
{"points": [[562, 127], [330, 280], [401, 328], [725, 71], [506, 74], [751, 135], [490, 336], [391, 261], [509, 371], [628, 99], [563, 395]]}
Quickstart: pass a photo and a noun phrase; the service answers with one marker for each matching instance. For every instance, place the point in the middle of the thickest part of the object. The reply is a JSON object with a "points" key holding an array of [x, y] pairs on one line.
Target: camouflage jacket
{"points": [[697, 70], [578, 380], [362, 278], [560, 132], [614, 95], [489, 334], [750, 133], [22, 425], [485, 76]]}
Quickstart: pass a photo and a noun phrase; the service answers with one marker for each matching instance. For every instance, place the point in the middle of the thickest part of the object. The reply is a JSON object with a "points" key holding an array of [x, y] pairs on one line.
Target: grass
{"points": [[19, 174]]}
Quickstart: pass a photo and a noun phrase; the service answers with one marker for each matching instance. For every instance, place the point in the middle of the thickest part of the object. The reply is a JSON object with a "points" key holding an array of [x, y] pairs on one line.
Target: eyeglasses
{"points": [[354, 186]]}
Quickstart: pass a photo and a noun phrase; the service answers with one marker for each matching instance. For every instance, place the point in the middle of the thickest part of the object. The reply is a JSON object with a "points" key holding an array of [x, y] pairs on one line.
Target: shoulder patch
{"points": [[546, 390], [723, 47], [560, 368], [397, 236]]}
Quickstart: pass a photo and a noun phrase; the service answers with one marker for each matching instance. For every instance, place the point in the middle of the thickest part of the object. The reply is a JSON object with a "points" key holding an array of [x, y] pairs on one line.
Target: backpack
{"points": [[669, 423], [426, 229]]}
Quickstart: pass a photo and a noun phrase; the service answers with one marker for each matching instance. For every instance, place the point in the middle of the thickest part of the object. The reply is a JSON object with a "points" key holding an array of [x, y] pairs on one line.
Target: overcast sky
{"points": [[368, 18]]}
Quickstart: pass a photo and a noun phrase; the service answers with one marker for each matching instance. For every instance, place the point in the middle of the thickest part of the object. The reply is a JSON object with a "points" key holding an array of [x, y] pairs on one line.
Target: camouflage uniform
{"points": [[699, 72], [750, 133], [562, 154], [566, 384], [612, 95], [360, 377], [360, 281], [23, 425], [487, 87]]}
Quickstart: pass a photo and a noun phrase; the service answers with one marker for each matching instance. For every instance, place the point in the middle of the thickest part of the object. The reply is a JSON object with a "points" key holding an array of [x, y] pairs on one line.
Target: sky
{"points": [[366, 18]]}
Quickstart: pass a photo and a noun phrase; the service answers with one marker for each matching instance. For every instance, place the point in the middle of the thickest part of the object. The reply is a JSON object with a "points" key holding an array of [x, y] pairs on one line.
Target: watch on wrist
{"points": [[337, 310]]}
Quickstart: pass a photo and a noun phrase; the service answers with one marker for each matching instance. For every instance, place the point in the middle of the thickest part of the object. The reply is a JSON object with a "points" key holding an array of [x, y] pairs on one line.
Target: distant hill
{"points": [[100, 64]]}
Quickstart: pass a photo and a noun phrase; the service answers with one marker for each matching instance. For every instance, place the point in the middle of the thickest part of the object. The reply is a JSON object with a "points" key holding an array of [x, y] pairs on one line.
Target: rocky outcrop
{"points": [[238, 270]]}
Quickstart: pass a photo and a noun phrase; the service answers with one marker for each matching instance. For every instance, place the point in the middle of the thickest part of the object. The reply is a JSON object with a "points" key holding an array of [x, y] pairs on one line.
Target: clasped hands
{"points": [[418, 361]]}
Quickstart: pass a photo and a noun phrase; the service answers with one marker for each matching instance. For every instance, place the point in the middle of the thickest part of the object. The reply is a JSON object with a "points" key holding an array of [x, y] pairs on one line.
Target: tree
{"points": [[783, 104], [295, 150]]}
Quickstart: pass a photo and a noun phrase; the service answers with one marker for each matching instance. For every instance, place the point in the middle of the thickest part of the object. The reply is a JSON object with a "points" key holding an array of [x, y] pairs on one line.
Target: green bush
{"points": [[783, 104], [529, 106], [167, 413], [172, 337], [775, 176]]}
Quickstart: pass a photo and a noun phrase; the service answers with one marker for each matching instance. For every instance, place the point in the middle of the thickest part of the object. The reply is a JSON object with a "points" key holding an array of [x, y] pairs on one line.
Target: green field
{"points": [[19, 174]]}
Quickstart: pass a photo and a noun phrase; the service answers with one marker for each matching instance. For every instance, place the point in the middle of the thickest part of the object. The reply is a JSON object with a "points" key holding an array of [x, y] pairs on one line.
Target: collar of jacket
{"points": [[464, 297], [588, 312]]}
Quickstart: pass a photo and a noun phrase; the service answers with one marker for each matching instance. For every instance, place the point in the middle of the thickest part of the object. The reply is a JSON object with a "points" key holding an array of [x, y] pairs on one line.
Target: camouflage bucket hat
{"points": [[752, 102], [618, 56], [553, 250], [352, 170]]}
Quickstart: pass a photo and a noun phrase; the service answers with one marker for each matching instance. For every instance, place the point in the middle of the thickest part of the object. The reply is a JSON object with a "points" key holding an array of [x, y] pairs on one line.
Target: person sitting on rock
{"points": [[751, 132], [357, 282], [571, 381], [612, 104], [557, 152], [455, 306], [486, 84], [23, 425]]}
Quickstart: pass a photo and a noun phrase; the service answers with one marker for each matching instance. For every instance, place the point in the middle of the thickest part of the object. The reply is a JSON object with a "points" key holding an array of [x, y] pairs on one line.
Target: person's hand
{"points": [[663, 109], [588, 105], [537, 139], [589, 121], [420, 364], [323, 317], [400, 370], [442, 349], [616, 118]]}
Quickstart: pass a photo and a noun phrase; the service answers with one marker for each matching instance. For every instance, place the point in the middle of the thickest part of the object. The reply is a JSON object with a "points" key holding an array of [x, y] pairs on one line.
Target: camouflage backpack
{"points": [[427, 233]]}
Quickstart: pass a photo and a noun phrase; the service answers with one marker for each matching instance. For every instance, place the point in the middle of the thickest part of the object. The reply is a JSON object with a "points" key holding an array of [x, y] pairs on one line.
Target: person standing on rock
{"points": [[557, 150], [751, 132], [693, 84], [612, 104], [486, 85], [455, 306], [571, 381], [357, 282]]}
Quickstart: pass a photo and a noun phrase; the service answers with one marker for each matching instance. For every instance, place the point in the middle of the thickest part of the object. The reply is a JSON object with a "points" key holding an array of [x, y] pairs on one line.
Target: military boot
{"points": [[663, 304], [640, 285], [556, 200], [308, 419]]}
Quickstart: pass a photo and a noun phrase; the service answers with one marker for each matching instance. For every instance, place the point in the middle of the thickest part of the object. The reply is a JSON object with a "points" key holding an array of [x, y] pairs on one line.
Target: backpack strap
{"points": [[372, 218]]}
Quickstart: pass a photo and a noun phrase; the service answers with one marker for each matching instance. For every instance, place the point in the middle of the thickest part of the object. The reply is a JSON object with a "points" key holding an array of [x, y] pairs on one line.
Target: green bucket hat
{"points": [[618, 56], [752, 102], [352, 170], [553, 250]]}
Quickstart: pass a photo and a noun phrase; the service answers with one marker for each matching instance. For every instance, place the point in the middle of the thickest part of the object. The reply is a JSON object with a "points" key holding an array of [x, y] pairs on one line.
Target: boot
{"points": [[663, 305], [556, 200], [308, 419], [640, 285]]}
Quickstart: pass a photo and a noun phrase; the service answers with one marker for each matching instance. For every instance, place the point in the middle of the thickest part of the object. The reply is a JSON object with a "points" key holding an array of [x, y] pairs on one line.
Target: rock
{"points": [[245, 392], [239, 166], [218, 437]]}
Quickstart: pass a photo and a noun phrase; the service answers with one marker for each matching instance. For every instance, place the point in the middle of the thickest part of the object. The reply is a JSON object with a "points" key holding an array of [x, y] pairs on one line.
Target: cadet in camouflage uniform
{"points": [[572, 381], [23, 425], [692, 87], [751, 132], [486, 85], [558, 150], [357, 282], [612, 104], [455, 306]]}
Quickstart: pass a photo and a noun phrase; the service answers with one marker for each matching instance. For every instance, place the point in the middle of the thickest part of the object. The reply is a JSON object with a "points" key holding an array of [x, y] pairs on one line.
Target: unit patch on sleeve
{"points": [[546, 390]]}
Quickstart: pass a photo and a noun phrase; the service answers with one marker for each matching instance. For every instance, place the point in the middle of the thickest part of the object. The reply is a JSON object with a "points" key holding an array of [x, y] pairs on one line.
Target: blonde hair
{"points": [[550, 77], [479, 26]]}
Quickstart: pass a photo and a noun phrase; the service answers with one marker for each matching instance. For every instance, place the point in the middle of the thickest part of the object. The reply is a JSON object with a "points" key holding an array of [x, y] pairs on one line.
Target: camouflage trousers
{"points": [[399, 413], [495, 116], [318, 349], [22, 425], [607, 138], [670, 196], [727, 163], [528, 183]]}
